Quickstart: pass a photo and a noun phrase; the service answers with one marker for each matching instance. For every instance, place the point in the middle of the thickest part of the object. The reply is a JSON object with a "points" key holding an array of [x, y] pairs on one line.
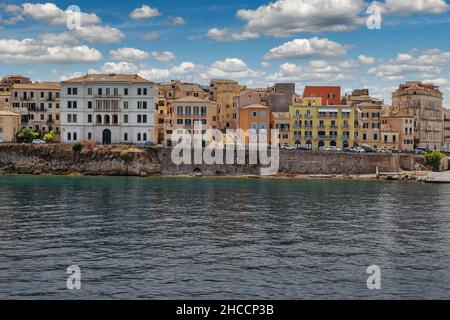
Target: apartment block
{"points": [[256, 117], [446, 142], [223, 92], [5, 100], [38, 104], [331, 95], [189, 113], [423, 101], [403, 127], [7, 82], [108, 109]]}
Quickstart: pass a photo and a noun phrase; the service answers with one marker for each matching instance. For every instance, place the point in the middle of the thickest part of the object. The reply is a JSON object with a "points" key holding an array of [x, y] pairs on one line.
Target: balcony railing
{"points": [[105, 109], [107, 96]]}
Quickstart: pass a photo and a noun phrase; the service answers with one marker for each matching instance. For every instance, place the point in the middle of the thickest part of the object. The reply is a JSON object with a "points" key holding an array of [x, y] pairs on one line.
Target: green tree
{"points": [[77, 147], [27, 135], [49, 136], [434, 159]]}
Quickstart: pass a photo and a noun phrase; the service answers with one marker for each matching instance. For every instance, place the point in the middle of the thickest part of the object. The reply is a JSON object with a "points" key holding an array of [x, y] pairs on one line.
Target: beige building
{"points": [[402, 125], [5, 100], [447, 129], [8, 81], [368, 124], [189, 112], [176, 89], [38, 105], [223, 92], [423, 101], [9, 126], [281, 122]]}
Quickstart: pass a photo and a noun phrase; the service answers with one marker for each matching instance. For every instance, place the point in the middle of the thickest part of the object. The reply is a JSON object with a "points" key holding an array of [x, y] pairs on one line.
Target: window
{"points": [[125, 136], [89, 104], [125, 104], [144, 118], [144, 104], [89, 118], [74, 104], [69, 136], [263, 114], [69, 104], [42, 94], [75, 92], [138, 137], [74, 136], [125, 118], [89, 91], [139, 118], [125, 91], [139, 92], [145, 91], [254, 114], [69, 92], [69, 118], [144, 136], [99, 91], [57, 106], [89, 135], [180, 121]]}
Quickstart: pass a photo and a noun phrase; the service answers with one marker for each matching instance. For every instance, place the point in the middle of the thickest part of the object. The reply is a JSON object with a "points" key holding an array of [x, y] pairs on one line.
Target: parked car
{"points": [[347, 149], [385, 150], [358, 150], [419, 151], [286, 146], [149, 144], [334, 149], [1, 141], [38, 141]]}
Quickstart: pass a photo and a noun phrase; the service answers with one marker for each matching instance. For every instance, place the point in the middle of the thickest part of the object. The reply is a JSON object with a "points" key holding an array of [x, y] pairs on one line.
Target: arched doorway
{"points": [[333, 143], [345, 144], [106, 136], [308, 145], [321, 144]]}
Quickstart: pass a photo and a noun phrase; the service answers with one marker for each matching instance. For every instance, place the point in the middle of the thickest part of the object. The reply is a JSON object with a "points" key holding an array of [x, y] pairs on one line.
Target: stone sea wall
{"points": [[139, 161]]}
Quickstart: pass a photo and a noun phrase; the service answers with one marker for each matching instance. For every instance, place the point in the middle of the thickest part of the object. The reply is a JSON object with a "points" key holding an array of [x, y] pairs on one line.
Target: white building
{"points": [[108, 109]]}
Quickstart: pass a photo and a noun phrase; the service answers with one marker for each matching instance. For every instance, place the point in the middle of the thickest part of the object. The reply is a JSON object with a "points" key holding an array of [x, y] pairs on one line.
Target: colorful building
{"points": [[313, 126], [255, 117], [403, 125], [188, 113], [9, 126], [330, 95], [281, 122], [223, 92], [5, 100]]}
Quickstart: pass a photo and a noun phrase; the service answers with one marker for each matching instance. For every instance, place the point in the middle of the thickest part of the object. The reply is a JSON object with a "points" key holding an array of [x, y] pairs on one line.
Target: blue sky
{"points": [[308, 42]]}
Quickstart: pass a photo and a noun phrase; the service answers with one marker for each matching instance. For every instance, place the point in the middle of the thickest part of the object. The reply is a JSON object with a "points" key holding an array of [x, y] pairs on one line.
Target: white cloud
{"points": [[430, 61], [144, 12], [164, 56], [99, 34], [231, 68], [177, 21], [32, 51], [407, 7], [64, 38], [120, 67], [225, 35], [366, 59], [291, 17], [128, 54], [230, 65], [306, 48], [319, 71], [149, 36], [49, 13]]}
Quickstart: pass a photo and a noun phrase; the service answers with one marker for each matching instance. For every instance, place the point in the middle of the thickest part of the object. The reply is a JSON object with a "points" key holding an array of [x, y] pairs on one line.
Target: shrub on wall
{"points": [[434, 159]]}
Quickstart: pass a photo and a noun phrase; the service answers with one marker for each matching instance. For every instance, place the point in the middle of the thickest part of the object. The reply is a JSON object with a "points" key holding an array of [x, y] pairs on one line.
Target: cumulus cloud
{"points": [[144, 12], [51, 14], [429, 61], [315, 71], [99, 34], [128, 54], [365, 59], [407, 7], [64, 38], [177, 21], [164, 56], [32, 51], [226, 35], [291, 17], [306, 48]]}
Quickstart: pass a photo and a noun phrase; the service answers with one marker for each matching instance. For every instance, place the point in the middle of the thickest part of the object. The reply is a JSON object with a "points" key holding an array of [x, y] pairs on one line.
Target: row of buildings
{"points": [[128, 109]]}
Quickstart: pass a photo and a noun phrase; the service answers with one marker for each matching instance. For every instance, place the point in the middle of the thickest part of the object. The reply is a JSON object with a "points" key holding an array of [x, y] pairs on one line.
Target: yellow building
{"points": [[161, 121], [223, 92], [313, 126], [9, 126]]}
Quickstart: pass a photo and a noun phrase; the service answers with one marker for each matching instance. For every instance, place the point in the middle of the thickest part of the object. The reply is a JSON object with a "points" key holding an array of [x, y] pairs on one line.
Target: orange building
{"points": [[254, 116], [329, 95]]}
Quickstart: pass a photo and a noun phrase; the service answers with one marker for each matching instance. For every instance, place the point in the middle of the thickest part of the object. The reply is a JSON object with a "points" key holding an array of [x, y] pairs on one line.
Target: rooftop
{"points": [[112, 77], [193, 99], [8, 113], [255, 106], [38, 86]]}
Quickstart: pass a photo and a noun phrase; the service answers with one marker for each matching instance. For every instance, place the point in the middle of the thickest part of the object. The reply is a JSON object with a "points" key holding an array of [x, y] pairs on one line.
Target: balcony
{"points": [[103, 109], [327, 136], [107, 96]]}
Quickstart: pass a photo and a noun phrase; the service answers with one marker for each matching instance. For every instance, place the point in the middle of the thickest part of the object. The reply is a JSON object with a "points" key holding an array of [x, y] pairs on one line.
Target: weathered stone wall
{"points": [[133, 161]]}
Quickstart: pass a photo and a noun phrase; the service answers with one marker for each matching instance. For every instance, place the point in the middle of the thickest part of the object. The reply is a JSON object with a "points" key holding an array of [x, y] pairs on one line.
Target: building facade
{"points": [[281, 122], [314, 126], [9, 126], [38, 104], [402, 125], [423, 101], [446, 129], [256, 117], [330, 95], [223, 92], [7, 82], [190, 113], [108, 109], [5, 100]]}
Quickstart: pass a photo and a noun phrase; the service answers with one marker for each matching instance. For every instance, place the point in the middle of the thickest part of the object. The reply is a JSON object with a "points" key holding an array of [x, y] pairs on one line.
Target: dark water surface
{"points": [[222, 238]]}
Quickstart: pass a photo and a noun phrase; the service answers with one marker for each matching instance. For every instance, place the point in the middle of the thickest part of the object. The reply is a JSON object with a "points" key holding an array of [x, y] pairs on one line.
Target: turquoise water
{"points": [[168, 238]]}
